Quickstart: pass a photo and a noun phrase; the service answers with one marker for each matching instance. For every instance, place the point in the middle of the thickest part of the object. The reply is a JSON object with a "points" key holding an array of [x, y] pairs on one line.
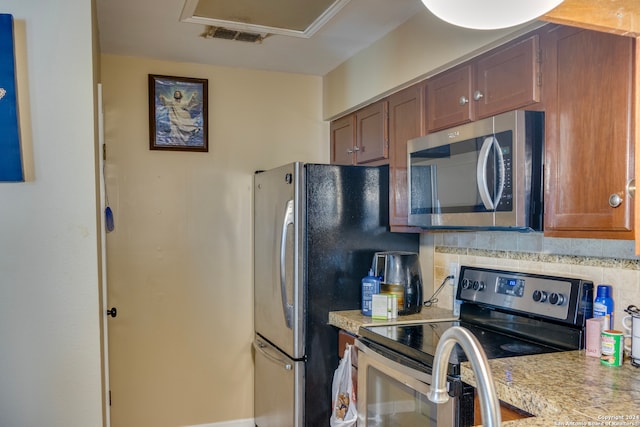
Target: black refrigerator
{"points": [[316, 228]]}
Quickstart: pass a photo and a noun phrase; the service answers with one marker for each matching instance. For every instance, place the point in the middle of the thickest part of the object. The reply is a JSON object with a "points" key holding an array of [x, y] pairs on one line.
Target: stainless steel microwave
{"points": [[486, 174]]}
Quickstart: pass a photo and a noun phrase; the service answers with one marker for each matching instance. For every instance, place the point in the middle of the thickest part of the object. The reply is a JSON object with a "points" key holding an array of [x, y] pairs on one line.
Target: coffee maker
{"points": [[400, 274]]}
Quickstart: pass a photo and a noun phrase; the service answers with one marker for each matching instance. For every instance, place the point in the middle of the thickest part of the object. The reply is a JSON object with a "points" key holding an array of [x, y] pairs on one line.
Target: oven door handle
{"points": [[417, 380], [490, 143]]}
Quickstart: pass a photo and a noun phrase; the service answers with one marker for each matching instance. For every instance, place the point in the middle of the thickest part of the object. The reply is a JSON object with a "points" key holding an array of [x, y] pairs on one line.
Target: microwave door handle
{"points": [[287, 309], [501, 172], [481, 173]]}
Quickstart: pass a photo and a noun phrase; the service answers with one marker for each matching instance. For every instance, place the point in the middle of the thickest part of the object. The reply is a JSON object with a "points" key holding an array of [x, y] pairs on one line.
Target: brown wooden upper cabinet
{"points": [[361, 137], [589, 149], [343, 139], [406, 121], [448, 95], [504, 79]]}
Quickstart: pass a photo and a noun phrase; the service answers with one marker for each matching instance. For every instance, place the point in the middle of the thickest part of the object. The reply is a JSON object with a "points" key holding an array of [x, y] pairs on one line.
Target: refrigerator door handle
{"points": [[262, 348], [287, 309]]}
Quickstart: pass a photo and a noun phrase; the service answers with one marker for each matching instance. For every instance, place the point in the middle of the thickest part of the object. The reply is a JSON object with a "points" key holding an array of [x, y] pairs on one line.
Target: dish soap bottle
{"points": [[370, 286], [603, 306]]}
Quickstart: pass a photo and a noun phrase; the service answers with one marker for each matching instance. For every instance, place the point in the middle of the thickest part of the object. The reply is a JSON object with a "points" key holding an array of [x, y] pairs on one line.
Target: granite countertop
{"points": [[351, 320], [566, 389]]}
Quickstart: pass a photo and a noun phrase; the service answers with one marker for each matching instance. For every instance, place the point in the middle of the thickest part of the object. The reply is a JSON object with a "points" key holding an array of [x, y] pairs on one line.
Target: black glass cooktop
{"points": [[419, 342]]}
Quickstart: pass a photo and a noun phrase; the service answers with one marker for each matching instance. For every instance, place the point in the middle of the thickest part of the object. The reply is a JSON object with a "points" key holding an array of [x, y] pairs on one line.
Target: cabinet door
{"points": [[372, 134], [448, 98], [405, 122], [588, 143], [343, 137], [508, 78]]}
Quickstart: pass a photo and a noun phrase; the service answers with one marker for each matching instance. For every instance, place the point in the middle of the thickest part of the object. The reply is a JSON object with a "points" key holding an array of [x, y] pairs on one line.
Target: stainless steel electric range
{"points": [[511, 313]]}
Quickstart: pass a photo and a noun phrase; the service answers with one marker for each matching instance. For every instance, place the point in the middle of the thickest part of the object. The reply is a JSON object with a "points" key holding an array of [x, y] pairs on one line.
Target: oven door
{"points": [[394, 393]]}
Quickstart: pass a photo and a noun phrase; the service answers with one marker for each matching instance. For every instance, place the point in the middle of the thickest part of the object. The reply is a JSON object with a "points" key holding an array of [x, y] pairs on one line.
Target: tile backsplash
{"points": [[610, 262]]}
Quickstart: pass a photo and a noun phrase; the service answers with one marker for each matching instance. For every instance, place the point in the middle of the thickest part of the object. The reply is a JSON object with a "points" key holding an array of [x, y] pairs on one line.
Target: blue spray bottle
{"points": [[370, 287], [603, 305]]}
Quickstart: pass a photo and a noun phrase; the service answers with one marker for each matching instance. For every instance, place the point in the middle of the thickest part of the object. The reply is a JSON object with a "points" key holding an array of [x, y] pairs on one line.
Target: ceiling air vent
{"points": [[229, 34]]}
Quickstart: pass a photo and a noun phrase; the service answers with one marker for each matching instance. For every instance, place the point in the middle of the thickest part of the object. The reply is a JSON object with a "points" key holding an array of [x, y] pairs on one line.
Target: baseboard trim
{"points": [[249, 422]]}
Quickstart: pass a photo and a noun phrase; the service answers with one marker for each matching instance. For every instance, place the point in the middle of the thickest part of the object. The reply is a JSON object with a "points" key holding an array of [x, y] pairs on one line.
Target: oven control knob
{"points": [[478, 285], [556, 299], [466, 284], [539, 296]]}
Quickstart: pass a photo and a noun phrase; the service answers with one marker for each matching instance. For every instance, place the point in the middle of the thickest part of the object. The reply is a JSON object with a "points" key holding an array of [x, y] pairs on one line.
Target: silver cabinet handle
{"points": [[287, 309], [615, 200], [477, 95], [356, 148], [463, 100], [349, 151]]}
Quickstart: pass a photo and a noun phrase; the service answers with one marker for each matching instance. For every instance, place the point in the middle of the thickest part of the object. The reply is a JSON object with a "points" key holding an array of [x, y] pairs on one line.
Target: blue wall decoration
{"points": [[10, 153]]}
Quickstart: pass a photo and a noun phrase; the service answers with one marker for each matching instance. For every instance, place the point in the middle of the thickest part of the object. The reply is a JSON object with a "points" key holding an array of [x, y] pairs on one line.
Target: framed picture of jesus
{"points": [[178, 117]]}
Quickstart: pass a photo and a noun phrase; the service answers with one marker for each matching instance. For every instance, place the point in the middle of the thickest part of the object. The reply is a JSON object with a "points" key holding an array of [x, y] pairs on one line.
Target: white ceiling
{"points": [[153, 29]]}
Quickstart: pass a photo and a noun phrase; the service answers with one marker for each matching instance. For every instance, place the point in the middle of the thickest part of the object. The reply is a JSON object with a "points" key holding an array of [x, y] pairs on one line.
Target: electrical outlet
{"points": [[454, 270]]}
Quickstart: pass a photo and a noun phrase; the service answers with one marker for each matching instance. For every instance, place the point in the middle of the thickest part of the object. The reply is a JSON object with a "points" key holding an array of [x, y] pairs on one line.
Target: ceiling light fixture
{"points": [[489, 14]]}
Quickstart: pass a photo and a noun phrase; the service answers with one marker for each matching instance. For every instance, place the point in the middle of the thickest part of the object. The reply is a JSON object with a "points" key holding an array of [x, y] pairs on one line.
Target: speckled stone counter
{"points": [[566, 389], [351, 320]]}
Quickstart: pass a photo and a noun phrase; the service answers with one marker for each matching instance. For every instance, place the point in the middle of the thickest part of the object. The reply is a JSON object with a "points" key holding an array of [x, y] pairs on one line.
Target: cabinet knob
{"points": [[463, 100], [477, 95], [615, 200], [356, 148], [349, 151]]}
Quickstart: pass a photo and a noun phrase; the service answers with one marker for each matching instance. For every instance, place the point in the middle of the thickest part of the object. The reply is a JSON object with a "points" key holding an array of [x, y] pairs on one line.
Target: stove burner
{"points": [[520, 348]]}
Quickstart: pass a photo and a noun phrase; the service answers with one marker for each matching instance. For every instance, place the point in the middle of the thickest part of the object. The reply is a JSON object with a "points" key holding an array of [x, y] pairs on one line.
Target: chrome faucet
{"points": [[489, 404]]}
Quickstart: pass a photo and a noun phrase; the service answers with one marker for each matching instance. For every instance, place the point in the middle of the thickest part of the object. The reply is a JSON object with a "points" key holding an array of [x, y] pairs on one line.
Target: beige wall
{"points": [[49, 278], [180, 258], [418, 48]]}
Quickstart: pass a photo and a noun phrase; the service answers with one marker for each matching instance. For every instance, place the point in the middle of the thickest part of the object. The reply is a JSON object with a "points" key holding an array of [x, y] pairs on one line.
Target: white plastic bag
{"points": [[343, 397]]}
